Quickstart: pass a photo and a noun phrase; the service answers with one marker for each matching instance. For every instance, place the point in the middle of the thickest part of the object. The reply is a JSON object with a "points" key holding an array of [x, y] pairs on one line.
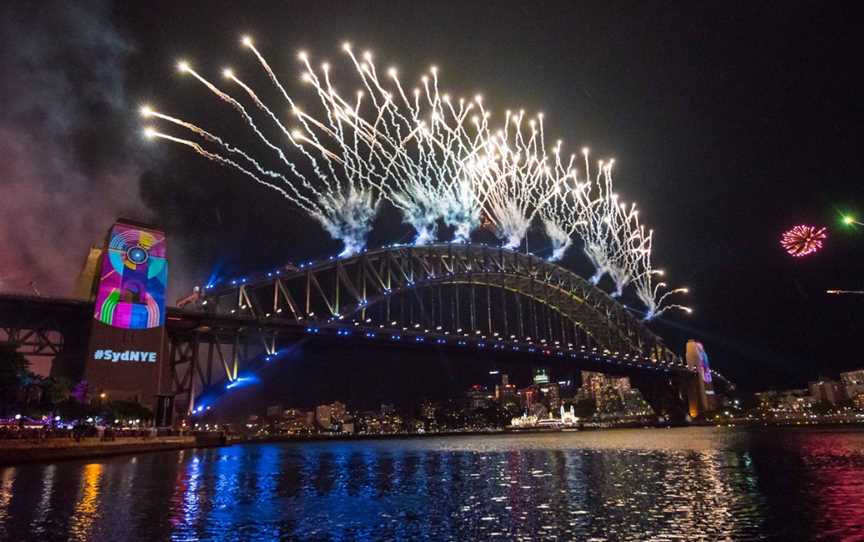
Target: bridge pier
{"points": [[669, 396]]}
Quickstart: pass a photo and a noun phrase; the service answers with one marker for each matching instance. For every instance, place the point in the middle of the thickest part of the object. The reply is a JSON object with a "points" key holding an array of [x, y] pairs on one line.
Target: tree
{"points": [[55, 390], [125, 410], [585, 408], [13, 371]]}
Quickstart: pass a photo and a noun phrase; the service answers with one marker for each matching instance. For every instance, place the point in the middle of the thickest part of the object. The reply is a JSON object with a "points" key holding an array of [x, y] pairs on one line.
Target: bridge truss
{"points": [[449, 293]]}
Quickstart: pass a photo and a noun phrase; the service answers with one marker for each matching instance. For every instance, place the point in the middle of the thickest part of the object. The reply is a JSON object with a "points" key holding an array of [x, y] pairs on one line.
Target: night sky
{"points": [[729, 123]]}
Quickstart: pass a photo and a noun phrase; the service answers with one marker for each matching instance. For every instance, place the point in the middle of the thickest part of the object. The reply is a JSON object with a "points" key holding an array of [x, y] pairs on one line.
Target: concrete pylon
{"points": [[700, 389]]}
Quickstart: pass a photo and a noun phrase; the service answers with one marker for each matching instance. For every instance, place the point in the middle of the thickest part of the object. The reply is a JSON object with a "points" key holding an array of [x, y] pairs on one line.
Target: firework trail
{"points": [[517, 180], [566, 209], [654, 296], [341, 196], [428, 144], [437, 159], [596, 229], [626, 245]]}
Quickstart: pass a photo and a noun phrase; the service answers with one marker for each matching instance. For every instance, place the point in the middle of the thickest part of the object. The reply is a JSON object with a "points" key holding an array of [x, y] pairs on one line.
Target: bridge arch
{"points": [[446, 289]]}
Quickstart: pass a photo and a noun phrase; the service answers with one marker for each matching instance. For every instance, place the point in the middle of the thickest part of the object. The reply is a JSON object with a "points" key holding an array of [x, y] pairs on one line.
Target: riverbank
{"points": [[40, 450]]}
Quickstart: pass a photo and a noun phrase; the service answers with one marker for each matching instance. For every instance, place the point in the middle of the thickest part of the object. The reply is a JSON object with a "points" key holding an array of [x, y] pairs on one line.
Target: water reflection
{"points": [[693, 484], [87, 508]]}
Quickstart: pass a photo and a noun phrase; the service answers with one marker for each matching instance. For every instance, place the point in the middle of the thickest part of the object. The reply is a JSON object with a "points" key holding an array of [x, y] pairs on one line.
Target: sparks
{"points": [[803, 240], [437, 158]]}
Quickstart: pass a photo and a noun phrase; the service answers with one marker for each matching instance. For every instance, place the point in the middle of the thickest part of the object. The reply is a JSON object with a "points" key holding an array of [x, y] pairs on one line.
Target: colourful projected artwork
{"points": [[704, 367], [133, 280]]}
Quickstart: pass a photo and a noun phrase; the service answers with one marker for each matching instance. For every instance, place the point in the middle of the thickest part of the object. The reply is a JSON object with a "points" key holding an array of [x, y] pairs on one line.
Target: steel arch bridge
{"points": [[447, 293]]}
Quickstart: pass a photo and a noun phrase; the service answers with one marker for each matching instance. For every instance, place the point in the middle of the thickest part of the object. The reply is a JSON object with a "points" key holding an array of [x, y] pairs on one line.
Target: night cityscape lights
{"points": [[803, 240], [436, 158]]}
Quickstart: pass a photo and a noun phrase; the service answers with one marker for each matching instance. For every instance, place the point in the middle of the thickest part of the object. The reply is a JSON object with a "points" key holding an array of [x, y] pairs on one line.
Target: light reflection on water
{"points": [[686, 484]]}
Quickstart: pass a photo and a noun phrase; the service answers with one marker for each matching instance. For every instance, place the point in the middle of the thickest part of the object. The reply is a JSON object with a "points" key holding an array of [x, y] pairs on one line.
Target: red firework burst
{"points": [[803, 240]]}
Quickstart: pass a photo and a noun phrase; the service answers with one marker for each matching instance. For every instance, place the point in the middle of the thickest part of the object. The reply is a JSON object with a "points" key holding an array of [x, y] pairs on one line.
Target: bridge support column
{"points": [[667, 395]]}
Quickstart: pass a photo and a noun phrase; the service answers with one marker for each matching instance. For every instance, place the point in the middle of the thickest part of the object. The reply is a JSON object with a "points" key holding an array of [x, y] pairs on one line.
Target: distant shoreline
{"points": [[14, 452]]}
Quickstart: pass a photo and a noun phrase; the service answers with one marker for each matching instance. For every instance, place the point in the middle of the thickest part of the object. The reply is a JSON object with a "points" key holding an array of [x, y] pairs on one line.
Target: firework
{"points": [[654, 296], [434, 157], [803, 240]]}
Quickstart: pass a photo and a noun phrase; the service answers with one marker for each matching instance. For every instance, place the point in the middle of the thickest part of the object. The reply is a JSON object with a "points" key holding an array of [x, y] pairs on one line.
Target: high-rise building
{"points": [[338, 413], [541, 376], [608, 392], [479, 397], [553, 396], [852, 383], [825, 390], [427, 410], [323, 417], [852, 377]]}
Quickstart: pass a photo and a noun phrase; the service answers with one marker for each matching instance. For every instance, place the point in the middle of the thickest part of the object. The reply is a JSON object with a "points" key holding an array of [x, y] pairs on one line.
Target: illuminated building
{"points": [[427, 410], [331, 417], [853, 383], [553, 396], [608, 392], [825, 391], [508, 391], [323, 417], [541, 376], [794, 403], [338, 414], [479, 397], [852, 377]]}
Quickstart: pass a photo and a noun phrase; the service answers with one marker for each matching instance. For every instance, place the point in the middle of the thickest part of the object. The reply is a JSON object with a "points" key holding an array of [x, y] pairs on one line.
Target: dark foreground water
{"points": [[685, 484]]}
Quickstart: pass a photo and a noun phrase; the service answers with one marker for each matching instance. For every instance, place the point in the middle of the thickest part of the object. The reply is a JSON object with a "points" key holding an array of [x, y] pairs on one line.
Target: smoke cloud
{"points": [[69, 164]]}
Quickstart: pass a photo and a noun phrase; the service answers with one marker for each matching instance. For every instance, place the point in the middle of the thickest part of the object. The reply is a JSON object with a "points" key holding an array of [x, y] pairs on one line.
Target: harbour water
{"points": [[700, 483]]}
